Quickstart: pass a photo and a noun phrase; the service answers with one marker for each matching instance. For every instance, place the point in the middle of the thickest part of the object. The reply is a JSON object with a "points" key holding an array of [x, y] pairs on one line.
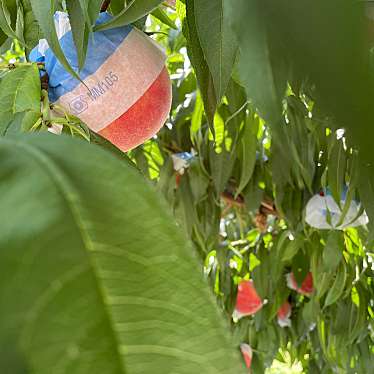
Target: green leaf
{"points": [[334, 36], [338, 286], [217, 41], [32, 32], [135, 10], [261, 75], [311, 311], [333, 251], [186, 208], [106, 144], [292, 248], [221, 165], [366, 189], [5, 18], [116, 6], [198, 180], [20, 23], [300, 267], [197, 116], [195, 53], [93, 9], [79, 28], [336, 170], [253, 195], [3, 38], [44, 13], [162, 16], [97, 280], [323, 283], [20, 90], [5, 120], [19, 122], [247, 155]]}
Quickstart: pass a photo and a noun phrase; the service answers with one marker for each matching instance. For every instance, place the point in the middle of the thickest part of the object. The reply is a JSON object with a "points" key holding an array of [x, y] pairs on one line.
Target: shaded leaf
{"points": [[336, 170], [217, 41], [162, 16], [292, 248], [300, 267], [79, 278], [199, 63], [333, 251], [248, 146], [79, 28], [135, 10], [264, 80], [5, 18], [338, 286], [20, 90]]}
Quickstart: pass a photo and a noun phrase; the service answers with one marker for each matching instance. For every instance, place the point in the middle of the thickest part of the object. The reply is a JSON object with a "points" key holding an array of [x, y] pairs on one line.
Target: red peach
{"points": [[247, 354], [306, 286], [247, 302], [144, 119], [284, 314]]}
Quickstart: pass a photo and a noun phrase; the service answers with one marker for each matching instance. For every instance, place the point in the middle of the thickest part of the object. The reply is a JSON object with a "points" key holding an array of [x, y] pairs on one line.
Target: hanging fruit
{"points": [[306, 287], [284, 314], [247, 302], [125, 92], [247, 354]]}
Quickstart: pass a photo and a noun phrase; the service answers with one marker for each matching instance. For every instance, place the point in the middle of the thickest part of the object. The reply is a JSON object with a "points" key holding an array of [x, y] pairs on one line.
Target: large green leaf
{"points": [[20, 90], [217, 40], [95, 277], [134, 11], [327, 41]]}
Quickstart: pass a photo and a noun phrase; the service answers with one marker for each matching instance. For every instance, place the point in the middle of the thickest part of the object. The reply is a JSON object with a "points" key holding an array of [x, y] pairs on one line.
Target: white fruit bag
{"points": [[322, 212]]}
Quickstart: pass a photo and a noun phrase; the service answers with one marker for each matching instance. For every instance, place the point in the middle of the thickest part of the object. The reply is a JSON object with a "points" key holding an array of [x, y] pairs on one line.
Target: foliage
{"points": [[78, 281], [274, 99]]}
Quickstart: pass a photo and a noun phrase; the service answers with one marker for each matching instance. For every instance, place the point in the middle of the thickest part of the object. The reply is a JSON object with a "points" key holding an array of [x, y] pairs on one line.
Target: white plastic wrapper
{"points": [[181, 161], [323, 205]]}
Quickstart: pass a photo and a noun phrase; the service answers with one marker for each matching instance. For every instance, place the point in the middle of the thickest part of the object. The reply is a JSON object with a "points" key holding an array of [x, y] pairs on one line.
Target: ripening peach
{"points": [[247, 302], [144, 118], [284, 314], [125, 91], [306, 287], [247, 354]]}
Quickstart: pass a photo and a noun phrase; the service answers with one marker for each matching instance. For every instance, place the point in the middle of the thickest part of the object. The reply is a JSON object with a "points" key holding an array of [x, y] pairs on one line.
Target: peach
{"points": [[247, 354], [247, 302], [306, 287], [284, 314], [143, 119]]}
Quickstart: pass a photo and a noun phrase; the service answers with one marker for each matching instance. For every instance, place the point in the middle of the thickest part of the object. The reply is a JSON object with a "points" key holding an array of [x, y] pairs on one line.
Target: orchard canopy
{"points": [[186, 186]]}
